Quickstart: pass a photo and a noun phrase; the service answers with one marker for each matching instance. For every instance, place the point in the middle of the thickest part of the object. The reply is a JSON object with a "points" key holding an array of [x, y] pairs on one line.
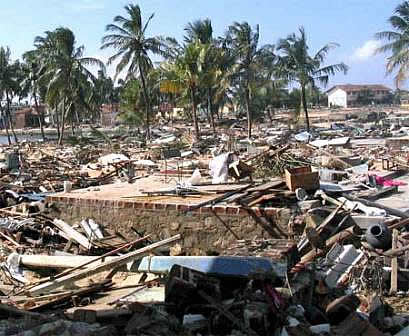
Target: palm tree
{"points": [[188, 73], [244, 41], [268, 96], [201, 30], [295, 64], [132, 97], [9, 87], [397, 42], [64, 68], [127, 35], [33, 86]]}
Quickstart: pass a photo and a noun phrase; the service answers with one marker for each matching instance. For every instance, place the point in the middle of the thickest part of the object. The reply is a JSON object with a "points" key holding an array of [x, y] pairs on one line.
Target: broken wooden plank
{"points": [[9, 239], [95, 259], [394, 264], [52, 261], [92, 229], [106, 266], [72, 233], [79, 292], [267, 186], [217, 199]]}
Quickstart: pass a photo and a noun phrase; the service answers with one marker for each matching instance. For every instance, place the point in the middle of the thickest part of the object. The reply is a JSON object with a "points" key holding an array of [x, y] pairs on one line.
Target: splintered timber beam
{"points": [[394, 264], [72, 233], [106, 266]]}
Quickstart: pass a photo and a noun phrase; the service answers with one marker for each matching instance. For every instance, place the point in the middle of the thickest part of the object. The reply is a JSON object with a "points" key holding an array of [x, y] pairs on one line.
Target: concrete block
{"points": [[343, 259]]}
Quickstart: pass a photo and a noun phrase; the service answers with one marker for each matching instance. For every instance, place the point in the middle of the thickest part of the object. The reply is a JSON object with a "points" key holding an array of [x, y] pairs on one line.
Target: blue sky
{"points": [[351, 23]]}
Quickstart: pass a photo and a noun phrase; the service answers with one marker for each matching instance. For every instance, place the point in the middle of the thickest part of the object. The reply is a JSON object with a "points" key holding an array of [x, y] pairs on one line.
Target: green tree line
{"points": [[203, 72]]}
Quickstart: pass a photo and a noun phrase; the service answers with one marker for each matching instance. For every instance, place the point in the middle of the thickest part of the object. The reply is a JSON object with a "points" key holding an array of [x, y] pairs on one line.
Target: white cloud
{"points": [[366, 51]]}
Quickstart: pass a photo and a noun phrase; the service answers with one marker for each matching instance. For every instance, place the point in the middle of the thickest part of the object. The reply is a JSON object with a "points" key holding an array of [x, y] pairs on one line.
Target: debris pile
{"points": [[339, 265]]}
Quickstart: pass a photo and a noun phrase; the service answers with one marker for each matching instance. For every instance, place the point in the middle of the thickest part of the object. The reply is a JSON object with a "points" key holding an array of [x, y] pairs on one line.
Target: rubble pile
{"points": [[338, 266]]}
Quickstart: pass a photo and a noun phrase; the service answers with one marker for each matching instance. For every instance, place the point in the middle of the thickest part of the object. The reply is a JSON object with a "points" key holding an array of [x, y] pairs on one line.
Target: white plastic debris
{"points": [[13, 266], [195, 178], [219, 168]]}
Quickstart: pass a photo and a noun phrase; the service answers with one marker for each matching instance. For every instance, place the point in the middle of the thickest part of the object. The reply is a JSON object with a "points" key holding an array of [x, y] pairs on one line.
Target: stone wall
{"points": [[202, 232]]}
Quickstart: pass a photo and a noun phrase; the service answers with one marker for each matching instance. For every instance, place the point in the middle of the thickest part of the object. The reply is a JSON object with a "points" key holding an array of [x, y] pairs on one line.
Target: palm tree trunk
{"points": [[78, 122], [5, 124], [9, 117], [56, 120], [210, 111], [40, 116], [269, 114], [62, 124], [194, 112], [147, 105], [304, 104], [249, 123]]}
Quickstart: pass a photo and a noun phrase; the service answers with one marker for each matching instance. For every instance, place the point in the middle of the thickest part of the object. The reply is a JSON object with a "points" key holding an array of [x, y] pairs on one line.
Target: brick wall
{"points": [[200, 229]]}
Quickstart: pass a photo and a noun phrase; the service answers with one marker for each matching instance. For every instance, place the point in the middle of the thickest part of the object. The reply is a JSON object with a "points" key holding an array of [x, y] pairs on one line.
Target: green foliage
{"points": [[132, 103], [254, 65], [397, 44], [203, 74], [127, 35], [10, 77], [62, 65], [296, 64]]}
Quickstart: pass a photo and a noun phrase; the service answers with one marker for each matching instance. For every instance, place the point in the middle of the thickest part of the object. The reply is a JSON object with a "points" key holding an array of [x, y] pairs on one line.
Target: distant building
{"points": [[355, 95], [26, 117]]}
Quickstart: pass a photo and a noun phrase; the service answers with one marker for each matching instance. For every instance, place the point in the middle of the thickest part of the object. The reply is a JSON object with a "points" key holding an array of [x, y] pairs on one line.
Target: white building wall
{"points": [[338, 98]]}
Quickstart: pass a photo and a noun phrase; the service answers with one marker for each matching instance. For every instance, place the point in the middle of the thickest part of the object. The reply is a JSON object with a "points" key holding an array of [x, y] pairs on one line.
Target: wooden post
{"points": [[105, 266], [394, 264]]}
